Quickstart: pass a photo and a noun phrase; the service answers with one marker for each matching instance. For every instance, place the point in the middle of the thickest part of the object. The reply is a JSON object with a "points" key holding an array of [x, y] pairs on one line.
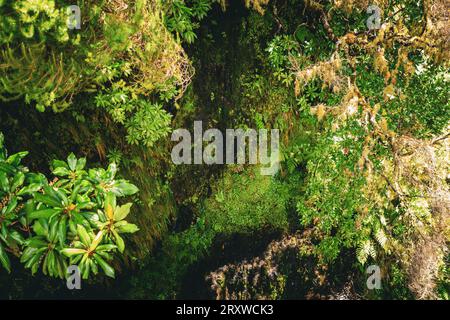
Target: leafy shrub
{"points": [[73, 219], [246, 202], [182, 17]]}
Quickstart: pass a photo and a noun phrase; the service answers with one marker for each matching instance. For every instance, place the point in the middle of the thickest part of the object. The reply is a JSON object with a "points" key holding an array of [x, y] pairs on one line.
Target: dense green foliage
{"points": [[75, 215], [115, 57], [364, 121]]}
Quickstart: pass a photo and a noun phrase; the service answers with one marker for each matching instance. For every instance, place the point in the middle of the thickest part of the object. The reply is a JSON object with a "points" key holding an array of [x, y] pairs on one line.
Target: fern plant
{"points": [[182, 17]]}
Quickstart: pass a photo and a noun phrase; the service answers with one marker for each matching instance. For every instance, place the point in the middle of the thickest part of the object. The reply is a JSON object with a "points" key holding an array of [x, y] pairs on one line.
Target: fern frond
{"points": [[367, 249], [381, 238]]}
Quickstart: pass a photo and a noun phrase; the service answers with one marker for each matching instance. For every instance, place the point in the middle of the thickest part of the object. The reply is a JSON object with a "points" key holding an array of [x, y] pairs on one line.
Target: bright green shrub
{"points": [[247, 202], [73, 219]]}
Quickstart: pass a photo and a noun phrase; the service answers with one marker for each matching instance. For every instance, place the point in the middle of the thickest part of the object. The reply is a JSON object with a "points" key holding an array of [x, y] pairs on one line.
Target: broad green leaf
{"points": [[72, 227], [4, 232], [76, 259], [94, 266], [11, 205], [79, 219], [47, 199], [86, 269], [34, 258], [123, 188], [51, 262], [38, 178], [16, 236], [75, 191], [128, 228], [84, 236], [27, 254], [119, 242], [34, 268], [59, 164], [110, 204], [109, 271], [4, 260], [61, 172], [7, 168], [85, 205], [106, 247], [39, 229], [33, 187], [120, 223], [51, 192], [81, 163], [43, 214], [61, 195], [36, 242], [15, 159], [98, 238], [61, 266], [18, 180], [72, 161], [122, 212], [62, 230], [4, 183], [104, 255], [45, 265], [69, 252]]}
